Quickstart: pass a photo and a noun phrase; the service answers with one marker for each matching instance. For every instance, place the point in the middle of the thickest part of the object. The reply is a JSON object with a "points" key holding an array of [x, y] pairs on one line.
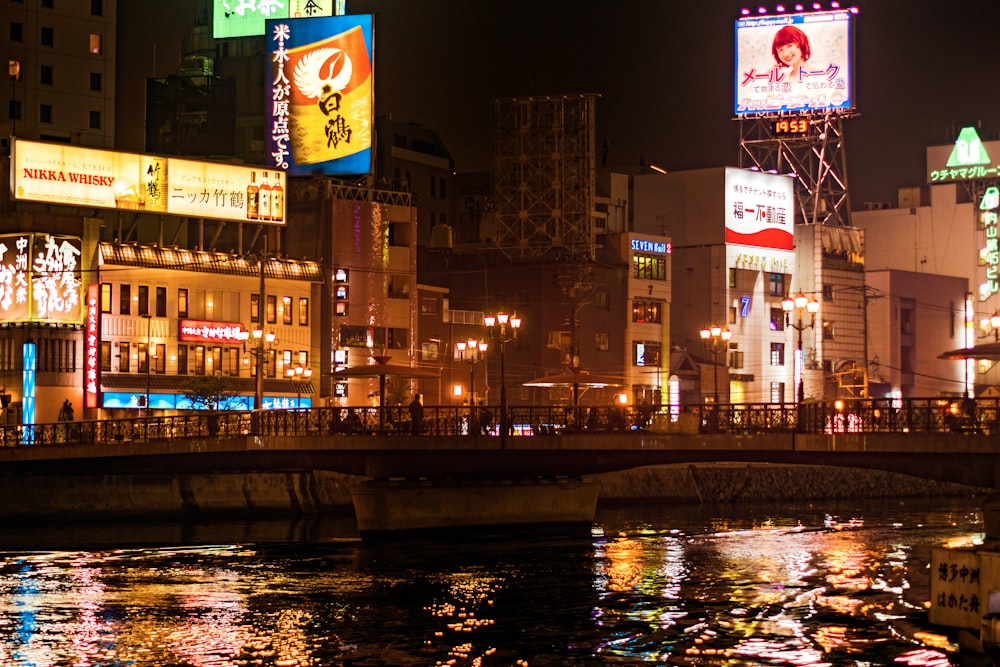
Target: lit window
{"points": [[95, 44]]}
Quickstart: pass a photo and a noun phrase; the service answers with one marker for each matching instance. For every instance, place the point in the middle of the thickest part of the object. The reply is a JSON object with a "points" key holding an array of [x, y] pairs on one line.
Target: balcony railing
{"points": [[917, 415]]}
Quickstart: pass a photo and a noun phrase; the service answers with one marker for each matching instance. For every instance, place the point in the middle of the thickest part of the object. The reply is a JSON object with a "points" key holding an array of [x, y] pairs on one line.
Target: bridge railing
{"points": [[915, 415]]}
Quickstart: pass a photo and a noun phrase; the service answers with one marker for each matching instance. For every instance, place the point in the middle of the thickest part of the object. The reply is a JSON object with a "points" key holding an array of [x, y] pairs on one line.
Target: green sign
{"points": [[969, 150], [245, 18]]}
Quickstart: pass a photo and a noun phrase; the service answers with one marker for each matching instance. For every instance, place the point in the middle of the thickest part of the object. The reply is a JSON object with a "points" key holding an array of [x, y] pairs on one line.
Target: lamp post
{"points": [[715, 338], [149, 321], [799, 303], [472, 345], [297, 374], [504, 327]]}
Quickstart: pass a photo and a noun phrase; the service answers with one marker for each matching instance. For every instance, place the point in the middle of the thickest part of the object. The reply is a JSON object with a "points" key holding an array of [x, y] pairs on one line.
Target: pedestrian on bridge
{"points": [[416, 415]]}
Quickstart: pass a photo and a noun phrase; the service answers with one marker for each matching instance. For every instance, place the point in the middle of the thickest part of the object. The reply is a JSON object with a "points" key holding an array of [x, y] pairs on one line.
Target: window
{"points": [[646, 311], [433, 183], [16, 32], [777, 354], [429, 350], [124, 357], [286, 310], [45, 113], [649, 267], [48, 36], [95, 81], [601, 341], [603, 299], [646, 354], [735, 359], [430, 305], [124, 299], [182, 302], [255, 308], [143, 300], [777, 392], [160, 358], [104, 356], [303, 311], [232, 358], [97, 7], [272, 309], [95, 44], [777, 319], [45, 75], [776, 284], [49, 4], [143, 365], [398, 287], [14, 110], [95, 120], [340, 308], [827, 292], [397, 339], [443, 190], [353, 337], [827, 330], [161, 301], [105, 297], [199, 360], [182, 360]]}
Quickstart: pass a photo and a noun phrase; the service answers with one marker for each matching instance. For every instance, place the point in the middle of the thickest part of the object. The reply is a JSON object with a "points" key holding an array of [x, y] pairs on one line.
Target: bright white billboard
{"points": [[794, 63], [245, 18], [760, 209]]}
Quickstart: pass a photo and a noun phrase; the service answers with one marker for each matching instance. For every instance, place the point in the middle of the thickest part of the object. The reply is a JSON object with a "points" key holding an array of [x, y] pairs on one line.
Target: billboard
{"points": [[75, 176], [40, 278], [760, 209], [243, 18], [320, 105], [968, 159], [797, 63]]}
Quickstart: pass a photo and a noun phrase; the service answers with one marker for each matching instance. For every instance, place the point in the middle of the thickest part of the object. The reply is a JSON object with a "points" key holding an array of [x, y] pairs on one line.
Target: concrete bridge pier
{"points": [[385, 506]]}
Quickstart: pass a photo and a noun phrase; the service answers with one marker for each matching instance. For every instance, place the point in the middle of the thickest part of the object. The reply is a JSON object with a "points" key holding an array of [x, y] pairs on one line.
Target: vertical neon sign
{"points": [[28, 394], [91, 345]]}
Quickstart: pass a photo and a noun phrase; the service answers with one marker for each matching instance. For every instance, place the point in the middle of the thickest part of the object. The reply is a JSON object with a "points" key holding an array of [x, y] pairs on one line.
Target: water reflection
{"points": [[684, 586]]}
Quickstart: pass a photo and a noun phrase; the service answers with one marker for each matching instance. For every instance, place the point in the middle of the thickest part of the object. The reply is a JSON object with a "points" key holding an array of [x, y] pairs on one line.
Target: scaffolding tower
{"points": [[812, 148], [545, 177]]}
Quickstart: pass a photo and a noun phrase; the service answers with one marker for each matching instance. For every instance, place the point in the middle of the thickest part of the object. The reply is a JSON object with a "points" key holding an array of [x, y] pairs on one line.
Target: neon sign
{"points": [[91, 344], [990, 252], [967, 159], [198, 331], [652, 246]]}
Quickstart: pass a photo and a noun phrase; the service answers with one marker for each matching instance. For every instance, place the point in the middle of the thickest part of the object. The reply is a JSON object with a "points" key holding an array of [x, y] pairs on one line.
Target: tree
{"points": [[212, 392]]}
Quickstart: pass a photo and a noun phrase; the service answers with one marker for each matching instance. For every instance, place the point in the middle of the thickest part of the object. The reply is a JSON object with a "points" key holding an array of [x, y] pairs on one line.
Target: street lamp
{"points": [[297, 374], [263, 343], [995, 323], [799, 303], [716, 340], [471, 345], [505, 328]]}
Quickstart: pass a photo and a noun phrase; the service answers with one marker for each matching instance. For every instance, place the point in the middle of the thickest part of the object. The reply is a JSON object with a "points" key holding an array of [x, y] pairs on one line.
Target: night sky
{"points": [[663, 69]]}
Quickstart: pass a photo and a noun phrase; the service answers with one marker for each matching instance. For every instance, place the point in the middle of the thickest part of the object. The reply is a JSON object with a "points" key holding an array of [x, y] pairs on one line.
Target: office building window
{"points": [[303, 312], [96, 83], [105, 297], [161, 301], [104, 356], [95, 44], [160, 358], [16, 32], [95, 120], [777, 392], [45, 75], [182, 360], [124, 299], [182, 302], [45, 113], [777, 319], [97, 7], [286, 310], [776, 284], [272, 309], [48, 36], [646, 311], [143, 300], [827, 330], [601, 341], [124, 357], [14, 110], [777, 354]]}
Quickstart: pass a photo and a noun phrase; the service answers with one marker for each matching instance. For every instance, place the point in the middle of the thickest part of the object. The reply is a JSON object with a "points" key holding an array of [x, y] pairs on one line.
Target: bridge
{"points": [[544, 448]]}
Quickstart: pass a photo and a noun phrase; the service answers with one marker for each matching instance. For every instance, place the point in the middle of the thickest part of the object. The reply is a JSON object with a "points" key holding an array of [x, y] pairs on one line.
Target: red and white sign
{"points": [[760, 209], [199, 331], [91, 345]]}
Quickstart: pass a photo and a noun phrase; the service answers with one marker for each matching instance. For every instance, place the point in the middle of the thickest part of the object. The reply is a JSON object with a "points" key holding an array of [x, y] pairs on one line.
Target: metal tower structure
{"points": [[545, 177], [811, 147]]}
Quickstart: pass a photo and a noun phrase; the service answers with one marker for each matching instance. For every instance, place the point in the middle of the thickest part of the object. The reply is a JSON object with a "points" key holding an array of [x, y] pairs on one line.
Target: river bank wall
{"points": [[27, 497]]}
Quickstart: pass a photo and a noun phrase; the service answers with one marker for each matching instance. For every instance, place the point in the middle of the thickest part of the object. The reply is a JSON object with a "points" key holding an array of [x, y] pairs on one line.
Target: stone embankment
{"points": [[28, 497]]}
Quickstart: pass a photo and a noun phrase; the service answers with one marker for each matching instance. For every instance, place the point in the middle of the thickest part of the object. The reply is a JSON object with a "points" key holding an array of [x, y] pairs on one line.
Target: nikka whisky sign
{"points": [[76, 176]]}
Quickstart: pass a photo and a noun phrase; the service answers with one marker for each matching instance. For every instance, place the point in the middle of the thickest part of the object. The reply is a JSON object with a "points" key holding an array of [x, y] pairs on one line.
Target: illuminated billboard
{"points": [[969, 158], [760, 209], [244, 18], [76, 176], [797, 63], [40, 278], [319, 102]]}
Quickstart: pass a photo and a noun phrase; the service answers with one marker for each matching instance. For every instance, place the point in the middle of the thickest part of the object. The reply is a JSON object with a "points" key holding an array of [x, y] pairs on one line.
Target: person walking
{"points": [[416, 415]]}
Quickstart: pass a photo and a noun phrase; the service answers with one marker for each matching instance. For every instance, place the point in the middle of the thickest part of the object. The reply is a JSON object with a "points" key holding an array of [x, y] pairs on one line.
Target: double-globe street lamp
{"points": [[472, 346], [298, 374], [503, 327], [715, 338], [263, 344], [799, 303]]}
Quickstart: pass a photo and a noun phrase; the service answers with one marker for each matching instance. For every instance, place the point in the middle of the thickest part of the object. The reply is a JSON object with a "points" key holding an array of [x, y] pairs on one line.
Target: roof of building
{"points": [[204, 261]]}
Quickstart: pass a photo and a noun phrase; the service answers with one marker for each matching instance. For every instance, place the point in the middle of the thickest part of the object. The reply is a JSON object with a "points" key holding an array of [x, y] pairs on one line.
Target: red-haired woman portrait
{"points": [[791, 49]]}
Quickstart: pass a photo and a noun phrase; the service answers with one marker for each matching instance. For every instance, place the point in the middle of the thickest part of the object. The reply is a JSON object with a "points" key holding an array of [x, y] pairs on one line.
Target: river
{"points": [[807, 584]]}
